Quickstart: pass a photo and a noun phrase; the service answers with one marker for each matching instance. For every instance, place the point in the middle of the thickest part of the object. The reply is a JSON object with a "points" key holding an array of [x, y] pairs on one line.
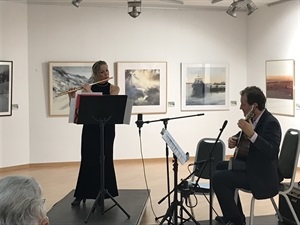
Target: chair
{"points": [[203, 150], [287, 163]]}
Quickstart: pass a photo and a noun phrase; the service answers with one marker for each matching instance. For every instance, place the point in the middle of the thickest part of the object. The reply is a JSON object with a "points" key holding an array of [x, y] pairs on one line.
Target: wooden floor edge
{"points": [[35, 165], [19, 167], [63, 164]]}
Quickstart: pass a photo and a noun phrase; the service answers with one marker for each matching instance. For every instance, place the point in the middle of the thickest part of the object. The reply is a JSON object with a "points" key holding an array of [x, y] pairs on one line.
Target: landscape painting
{"points": [[204, 86], [280, 86], [62, 77], [145, 83], [6, 68]]}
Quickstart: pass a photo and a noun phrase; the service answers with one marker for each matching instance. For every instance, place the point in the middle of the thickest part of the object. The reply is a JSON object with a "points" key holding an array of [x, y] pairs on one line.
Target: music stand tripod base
{"points": [[173, 210], [101, 196]]}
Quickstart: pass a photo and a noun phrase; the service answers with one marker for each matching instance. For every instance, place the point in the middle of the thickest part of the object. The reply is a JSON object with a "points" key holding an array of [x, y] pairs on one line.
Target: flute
{"points": [[79, 88]]}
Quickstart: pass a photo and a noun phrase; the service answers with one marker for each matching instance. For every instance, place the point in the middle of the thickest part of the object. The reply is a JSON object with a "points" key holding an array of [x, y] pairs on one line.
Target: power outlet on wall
{"points": [[15, 106], [171, 104], [233, 103]]}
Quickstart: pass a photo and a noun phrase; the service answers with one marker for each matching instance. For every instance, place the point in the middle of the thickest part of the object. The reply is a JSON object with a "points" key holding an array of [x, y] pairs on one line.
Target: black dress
{"points": [[88, 183]]}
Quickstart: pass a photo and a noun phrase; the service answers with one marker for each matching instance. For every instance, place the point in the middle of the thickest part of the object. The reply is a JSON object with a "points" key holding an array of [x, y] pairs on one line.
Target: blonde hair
{"points": [[96, 71]]}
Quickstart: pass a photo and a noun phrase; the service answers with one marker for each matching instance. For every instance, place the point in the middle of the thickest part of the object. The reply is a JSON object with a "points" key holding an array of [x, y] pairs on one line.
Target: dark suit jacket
{"points": [[262, 161]]}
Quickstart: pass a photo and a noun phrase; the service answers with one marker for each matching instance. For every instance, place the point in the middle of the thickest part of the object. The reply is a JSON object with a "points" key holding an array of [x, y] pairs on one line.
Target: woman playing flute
{"points": [[88, 182]]}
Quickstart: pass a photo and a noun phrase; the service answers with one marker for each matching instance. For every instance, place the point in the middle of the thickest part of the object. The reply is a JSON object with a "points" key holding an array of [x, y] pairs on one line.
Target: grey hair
{"points": [[21, 201]]}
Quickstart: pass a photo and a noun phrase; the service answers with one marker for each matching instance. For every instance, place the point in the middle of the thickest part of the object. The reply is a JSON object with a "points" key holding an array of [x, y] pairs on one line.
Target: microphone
{"points": [[139, 121], [224, 124]]}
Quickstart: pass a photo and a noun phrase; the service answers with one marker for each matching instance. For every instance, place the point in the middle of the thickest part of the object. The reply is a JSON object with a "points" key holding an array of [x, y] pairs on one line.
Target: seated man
{"points": [[259, 172], [21, 202]]}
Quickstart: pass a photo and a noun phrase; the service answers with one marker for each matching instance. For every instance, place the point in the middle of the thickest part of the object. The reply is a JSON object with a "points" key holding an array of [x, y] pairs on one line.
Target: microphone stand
{"points": [[165, 122], [210, 172]]}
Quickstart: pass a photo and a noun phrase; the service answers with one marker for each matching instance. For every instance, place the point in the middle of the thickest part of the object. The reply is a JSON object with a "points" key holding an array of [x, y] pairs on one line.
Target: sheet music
{"points": [[72, 110], [181, 156], [73, 103], [90, 93], [128, 110], [200, 185]]}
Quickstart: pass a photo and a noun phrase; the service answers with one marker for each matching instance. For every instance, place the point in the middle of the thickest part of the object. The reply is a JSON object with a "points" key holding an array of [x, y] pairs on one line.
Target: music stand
{"points": [[102, 110], [178, 154]]}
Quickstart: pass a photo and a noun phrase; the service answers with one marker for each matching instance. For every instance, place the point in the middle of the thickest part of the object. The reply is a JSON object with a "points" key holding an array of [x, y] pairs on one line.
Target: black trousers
{"points": [[224, 183]]}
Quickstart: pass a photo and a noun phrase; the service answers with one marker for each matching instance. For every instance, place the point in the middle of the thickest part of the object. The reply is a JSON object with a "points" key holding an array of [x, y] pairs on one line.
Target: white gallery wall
{"points": [[15, 130], [33, 35], [274, 34]]}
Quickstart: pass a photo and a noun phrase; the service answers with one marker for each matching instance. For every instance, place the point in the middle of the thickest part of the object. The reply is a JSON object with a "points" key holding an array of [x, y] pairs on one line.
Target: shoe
{"points": [[221, 219], [232, 223], [77, 201]]}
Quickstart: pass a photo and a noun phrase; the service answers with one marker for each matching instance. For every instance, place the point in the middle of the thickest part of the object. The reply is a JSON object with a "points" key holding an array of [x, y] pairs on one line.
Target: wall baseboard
{"points": [[65, 164], [61, 164], [35, 165]]}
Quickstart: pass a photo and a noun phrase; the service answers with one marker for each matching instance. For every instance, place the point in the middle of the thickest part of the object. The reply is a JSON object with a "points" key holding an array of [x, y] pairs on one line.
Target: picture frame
{"points": [[62, 77], [6, 81], [280, 86], [146, 84], [204, 86]]}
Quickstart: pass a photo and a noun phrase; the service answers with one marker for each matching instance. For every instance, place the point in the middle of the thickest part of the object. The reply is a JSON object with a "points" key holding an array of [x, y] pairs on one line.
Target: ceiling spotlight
{"points": [[251, 7], [233, 8], [134, 8], [76, 2], [237, 5]]}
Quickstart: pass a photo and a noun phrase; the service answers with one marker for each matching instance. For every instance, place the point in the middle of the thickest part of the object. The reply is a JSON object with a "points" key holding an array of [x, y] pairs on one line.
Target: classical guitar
{"points": [[243, 142]]}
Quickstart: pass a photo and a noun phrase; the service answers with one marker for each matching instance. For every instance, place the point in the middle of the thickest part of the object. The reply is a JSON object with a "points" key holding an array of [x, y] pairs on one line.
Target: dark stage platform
{"points": [[131, 200], [258, 220]]}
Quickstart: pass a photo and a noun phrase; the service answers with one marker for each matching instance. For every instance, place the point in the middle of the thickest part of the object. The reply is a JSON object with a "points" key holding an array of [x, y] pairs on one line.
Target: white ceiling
{"points": [[152, 3]]}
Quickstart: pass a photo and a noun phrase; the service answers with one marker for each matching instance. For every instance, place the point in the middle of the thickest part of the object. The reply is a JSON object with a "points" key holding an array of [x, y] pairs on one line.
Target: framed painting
{"points": [[6, 71], [280, 76], [145, 83], [204, 86], [62, 77]]}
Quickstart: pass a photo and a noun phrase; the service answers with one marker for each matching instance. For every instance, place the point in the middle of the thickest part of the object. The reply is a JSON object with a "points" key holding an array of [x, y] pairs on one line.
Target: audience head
{"points": [[21, 202]]}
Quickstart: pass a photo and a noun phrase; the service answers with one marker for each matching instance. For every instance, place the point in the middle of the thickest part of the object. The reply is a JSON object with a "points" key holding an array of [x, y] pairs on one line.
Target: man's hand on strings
{"points": [[246, 127]]}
